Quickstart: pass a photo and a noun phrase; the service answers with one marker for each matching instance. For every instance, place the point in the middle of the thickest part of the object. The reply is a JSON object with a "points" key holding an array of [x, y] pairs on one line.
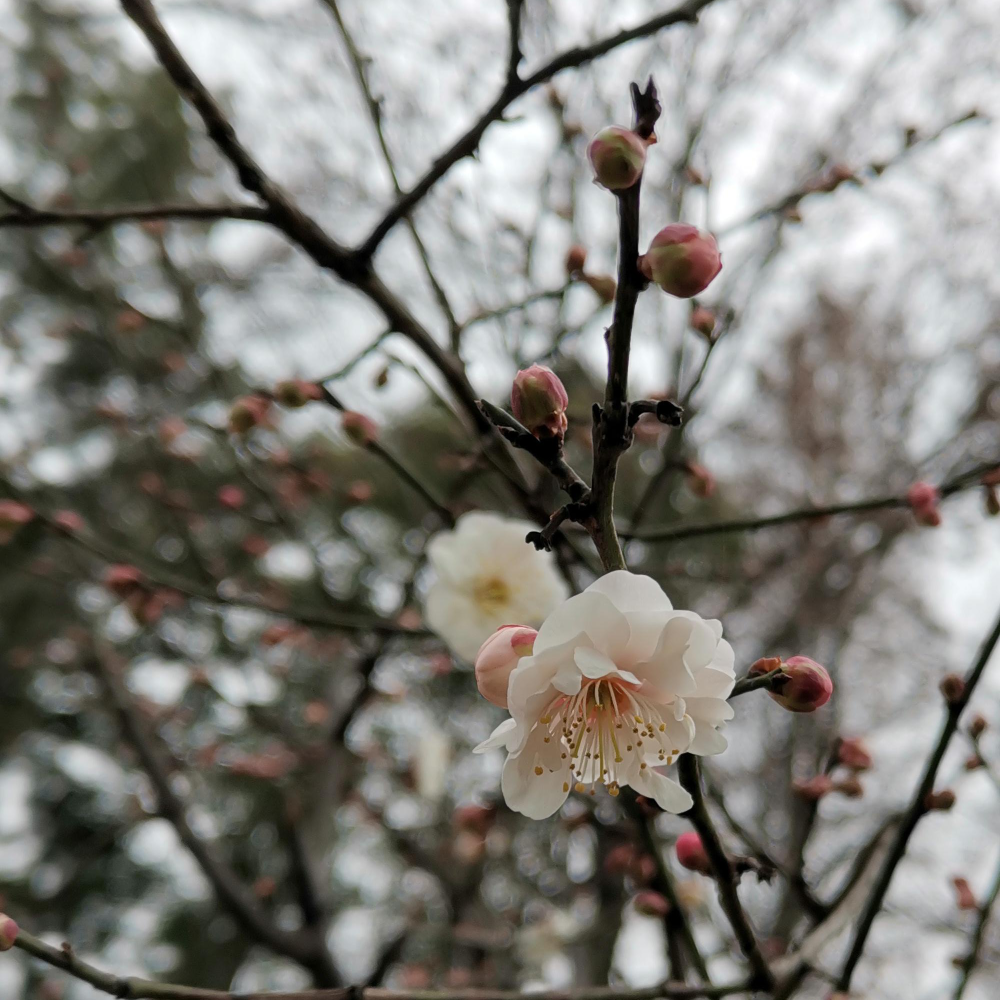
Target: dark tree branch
{"points": [[755, 683], [612, 432], [134, 988], [307, 949], [965, 481], [467, 144], [27, 217], [917, 808], [976, 945], [725, 874]]}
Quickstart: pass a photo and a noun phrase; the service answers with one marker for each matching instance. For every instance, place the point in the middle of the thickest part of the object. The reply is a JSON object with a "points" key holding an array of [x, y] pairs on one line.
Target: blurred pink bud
{"points": [[973, 762], [617, 155], [977, 726], [924, 499], [699, 480], [691, 853], [68, 521], [231, 496], [850, 787], [953, 688], [296, 392], [360, 491], [939, 801], [964, 896], [476, 818], [703, 320], [14, 515], [248, 412], [538, 399], [651, 904], [802, 686], [991, 500], [681, 260], [122, 579], [576, 258], [619, 859], [360, 429], [498, 656], [854, 754], [8, 932], [813, 789]]}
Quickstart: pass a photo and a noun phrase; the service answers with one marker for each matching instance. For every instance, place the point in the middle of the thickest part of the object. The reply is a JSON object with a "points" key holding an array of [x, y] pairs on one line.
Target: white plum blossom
{"points": [[617, 687], [486, 576]]}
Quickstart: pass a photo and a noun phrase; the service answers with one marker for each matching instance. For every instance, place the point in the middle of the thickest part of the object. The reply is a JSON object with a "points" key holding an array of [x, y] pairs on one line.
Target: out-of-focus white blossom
{"points": [[488, 576]]}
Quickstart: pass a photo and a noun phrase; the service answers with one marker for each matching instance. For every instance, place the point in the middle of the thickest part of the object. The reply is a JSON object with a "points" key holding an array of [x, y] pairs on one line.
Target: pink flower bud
{"points": [[681, 260], [68, 521], [576, 258], [122, 579], [703, 320], [939, 801], [8, 932], [498, 656], [953, 688], [814, 788], [538, 399], [651, 904], [802, 686], [14, 515], [359, 428], [850, 787], [248, 412], [478, 819], [691, 853], [617, 155], [854, 754], [231, 496], [296, 392], [977, 726], [924, 499], [964, 896], [619, 859]]}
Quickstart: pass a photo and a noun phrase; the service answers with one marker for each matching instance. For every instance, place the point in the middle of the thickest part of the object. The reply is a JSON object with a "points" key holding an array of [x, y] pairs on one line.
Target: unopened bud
{"points": [[248, 412], [964, 896], [802, 686], [939, 801], [691, 853], [924, 499], [681, 260], [854, 754], [123, 580], [953, 688], [992, 500], [576, 258], [497, 658], [359, 428], [850, 787], [477, 819], [539, 400], [603, 284], [296, 392], [8, 932], [617, 155], [651, 904], [977, 726], [68, 521], [703, 320], [973, 762], [231, 496], [815, 788], [360, 491], [14, 515]]}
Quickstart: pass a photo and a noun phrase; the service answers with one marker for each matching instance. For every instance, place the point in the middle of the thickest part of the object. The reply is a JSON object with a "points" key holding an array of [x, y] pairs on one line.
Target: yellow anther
{"points": [[539, 769]]}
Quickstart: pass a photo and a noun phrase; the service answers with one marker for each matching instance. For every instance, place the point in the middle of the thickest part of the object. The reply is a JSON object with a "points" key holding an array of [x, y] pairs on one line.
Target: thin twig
{"points": [[976, 944], [33, 218], [916, 809]]}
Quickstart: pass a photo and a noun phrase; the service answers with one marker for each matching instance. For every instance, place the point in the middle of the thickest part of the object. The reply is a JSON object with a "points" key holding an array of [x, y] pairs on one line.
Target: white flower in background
{"points": [[488, 576], [617, 687]]}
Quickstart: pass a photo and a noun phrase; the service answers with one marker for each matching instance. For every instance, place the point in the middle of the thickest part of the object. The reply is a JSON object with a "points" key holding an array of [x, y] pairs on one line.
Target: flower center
{"points": [[610, 732], [491, 594]]}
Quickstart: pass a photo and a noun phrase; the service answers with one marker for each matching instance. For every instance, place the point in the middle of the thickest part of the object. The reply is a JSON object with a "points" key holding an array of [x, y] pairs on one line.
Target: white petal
{"points": [[587, 612], [712, 683], [666, 792], [710, 710], [500, 737], [701, 645], [707, 741], [631, 592], [593, 664], [665, 673], [525, 791]]}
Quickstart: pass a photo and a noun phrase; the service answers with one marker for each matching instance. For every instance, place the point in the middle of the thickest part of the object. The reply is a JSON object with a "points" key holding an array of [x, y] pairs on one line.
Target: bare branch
{"points": [[917, 807], [35, 218]]}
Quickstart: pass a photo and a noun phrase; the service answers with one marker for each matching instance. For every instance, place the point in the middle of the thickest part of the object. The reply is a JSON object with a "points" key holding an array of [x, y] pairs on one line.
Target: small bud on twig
{"points": [[939, 801], [953, 688]]}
